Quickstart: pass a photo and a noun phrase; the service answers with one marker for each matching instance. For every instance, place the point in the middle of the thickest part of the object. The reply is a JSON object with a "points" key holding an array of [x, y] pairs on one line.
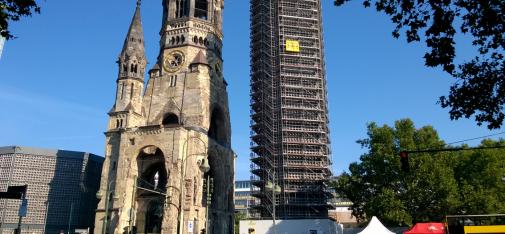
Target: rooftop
{"points": [[16, 149]]}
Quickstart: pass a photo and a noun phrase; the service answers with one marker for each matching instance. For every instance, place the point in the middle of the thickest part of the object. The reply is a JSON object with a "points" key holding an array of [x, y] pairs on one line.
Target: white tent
{"points": [[375, 227]]}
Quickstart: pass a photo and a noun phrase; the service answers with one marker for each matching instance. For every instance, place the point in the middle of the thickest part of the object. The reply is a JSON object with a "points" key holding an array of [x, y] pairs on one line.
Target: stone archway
{"points": [[152, 176]]}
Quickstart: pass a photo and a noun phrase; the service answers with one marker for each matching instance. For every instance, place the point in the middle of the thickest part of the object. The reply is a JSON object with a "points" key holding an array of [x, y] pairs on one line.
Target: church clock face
{"points": [[174, 61]]}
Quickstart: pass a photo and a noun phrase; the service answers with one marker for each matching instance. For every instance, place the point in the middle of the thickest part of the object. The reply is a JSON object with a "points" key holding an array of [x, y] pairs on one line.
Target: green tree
{"points": [[480, 175], [378, 187], [438, 184], [479, 90], [239, 216], [13, 10]]}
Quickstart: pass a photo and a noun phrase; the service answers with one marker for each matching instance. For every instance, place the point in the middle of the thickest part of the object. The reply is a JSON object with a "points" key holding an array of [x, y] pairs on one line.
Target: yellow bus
{"points": [[476, 224]]}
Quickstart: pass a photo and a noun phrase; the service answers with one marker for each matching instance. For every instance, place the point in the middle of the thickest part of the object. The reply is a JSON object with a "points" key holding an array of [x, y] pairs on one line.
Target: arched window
{"points": [[195, 191], [172, 81], [152, 175], [131, 91], [181, 8], [122, 91], [125, 68], [201, 9], [170, 119], [132, 68]]}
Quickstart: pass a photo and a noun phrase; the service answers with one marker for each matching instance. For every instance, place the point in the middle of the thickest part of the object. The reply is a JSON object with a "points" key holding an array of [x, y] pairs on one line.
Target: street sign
{"points": [[292, 46], [82, 231], [190, 226], [23, 208]]}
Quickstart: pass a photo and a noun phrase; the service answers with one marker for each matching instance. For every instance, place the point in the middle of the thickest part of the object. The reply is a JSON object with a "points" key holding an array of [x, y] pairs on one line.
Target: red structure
{"points": [[427, 228]]}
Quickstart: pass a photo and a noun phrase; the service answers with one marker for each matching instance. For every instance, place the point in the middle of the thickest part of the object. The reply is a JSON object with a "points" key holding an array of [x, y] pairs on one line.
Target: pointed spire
{"points": [[156, 67], [134, 42], [199, 59]]}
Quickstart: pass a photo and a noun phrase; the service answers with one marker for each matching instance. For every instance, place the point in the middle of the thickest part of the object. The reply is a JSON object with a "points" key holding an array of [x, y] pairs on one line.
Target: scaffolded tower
{"points": [[289, 137]]}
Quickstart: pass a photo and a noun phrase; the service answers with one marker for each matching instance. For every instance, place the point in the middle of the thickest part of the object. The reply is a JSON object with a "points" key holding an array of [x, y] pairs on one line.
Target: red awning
{"points": [[427, 228]]}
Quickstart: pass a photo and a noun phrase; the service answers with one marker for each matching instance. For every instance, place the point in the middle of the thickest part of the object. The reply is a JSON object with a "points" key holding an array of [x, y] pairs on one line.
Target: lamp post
{"points": [[203, 166]]}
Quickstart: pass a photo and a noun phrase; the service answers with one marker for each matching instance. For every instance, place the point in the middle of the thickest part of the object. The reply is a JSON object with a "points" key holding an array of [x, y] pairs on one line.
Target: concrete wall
{"points": [[301, 226], [292, 226]]}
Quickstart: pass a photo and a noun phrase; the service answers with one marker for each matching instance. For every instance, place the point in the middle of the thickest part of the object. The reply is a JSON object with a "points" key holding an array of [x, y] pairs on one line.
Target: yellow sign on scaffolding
{"points": [[292, 46]]}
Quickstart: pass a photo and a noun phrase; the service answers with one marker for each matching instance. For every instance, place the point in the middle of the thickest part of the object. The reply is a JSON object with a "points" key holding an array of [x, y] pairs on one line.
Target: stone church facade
{"points": [[169, 167]]}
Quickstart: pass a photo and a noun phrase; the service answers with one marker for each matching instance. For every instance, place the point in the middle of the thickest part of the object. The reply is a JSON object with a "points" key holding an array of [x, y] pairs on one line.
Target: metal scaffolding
{"points": [[289, 116]]}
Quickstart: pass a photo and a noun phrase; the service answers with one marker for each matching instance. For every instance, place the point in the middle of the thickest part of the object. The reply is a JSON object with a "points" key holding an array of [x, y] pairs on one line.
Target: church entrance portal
{"points": [[152, 175]]}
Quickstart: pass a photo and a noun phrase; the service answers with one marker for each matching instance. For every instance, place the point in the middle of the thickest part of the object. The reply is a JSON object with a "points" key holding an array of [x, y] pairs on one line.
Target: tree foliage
{"points": [[480, 87], [438, 184], [238, 217], [13, 10], [481, 179]]}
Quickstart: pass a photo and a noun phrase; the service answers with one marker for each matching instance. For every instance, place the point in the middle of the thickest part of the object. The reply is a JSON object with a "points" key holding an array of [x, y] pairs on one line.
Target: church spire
{"points": [[132, 65], [134, 42]]}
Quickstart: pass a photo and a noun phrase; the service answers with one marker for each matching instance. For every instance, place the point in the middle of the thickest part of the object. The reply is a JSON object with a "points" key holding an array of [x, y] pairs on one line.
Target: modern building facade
{"points": [[61, 192], [168, 165], [243, 196], [289, 143]]}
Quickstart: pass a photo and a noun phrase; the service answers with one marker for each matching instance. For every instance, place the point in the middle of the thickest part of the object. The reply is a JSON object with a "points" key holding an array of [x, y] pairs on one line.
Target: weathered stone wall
{"points": [[141, 143]]}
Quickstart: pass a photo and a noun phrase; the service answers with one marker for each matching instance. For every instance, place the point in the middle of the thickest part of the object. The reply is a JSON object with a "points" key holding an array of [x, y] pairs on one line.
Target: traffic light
{"points": [[14, 192], [404, 159]]}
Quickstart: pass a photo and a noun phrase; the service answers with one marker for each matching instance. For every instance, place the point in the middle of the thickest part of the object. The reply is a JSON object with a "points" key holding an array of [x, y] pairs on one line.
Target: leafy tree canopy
{"points": [[13, 10], [480, 87], [438, 184]]}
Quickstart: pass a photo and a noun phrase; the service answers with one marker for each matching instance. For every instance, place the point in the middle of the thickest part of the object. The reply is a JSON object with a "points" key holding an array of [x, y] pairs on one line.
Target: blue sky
{"points": [[57, 80]]}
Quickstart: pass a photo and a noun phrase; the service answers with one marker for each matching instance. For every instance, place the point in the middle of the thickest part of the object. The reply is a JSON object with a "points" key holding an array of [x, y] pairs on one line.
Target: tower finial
{"points": [[139, 2], [134, 41]]}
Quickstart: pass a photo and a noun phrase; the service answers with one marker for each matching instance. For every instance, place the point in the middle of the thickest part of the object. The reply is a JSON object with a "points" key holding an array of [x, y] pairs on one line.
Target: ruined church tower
{"points": [[168, 162]]}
